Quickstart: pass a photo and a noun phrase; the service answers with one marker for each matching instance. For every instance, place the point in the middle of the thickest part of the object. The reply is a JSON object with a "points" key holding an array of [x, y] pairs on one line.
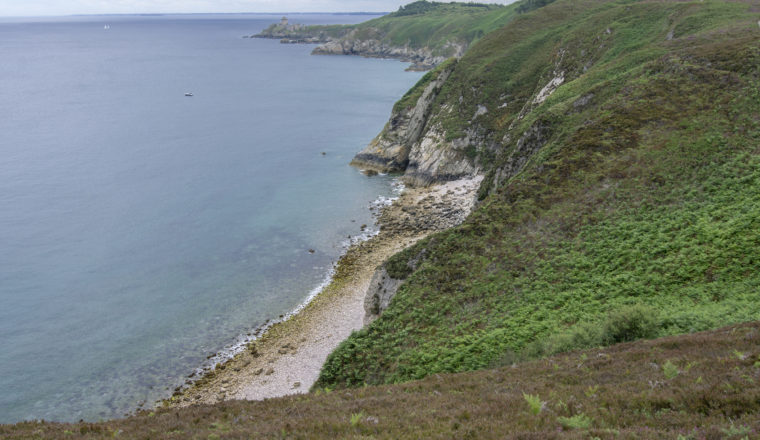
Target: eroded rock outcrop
{"points": [[390, 150], [409, 144], [381, 290], [417, 213], [434, 159]]}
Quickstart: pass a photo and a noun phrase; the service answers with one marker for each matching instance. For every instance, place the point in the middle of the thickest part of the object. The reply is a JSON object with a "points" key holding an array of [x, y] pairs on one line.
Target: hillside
{"points": [[619, 141], [618, 226], [423, 33], [687, 387]]}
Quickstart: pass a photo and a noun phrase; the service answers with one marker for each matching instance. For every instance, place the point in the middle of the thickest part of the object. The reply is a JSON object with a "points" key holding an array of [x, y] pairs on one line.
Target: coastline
{"points": [[289, 354]]}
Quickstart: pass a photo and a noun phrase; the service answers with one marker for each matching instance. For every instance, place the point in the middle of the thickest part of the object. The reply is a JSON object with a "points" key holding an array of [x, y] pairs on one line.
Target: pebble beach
{"points": [[288, 356]]}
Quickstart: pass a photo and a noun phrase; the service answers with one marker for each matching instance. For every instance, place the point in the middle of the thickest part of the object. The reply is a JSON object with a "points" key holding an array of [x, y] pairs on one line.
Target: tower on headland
{"points": [[284, 21]]}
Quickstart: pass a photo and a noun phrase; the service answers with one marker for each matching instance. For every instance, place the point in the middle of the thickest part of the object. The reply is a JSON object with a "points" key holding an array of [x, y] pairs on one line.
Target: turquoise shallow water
{"points": [[142, 230]]}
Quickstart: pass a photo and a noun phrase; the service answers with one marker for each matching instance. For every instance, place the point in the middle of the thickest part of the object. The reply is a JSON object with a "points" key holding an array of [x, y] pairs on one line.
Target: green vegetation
{"points": [[631, 400], [433, 25], [638, 217], [622, 206], [625, 324], [535, 405], [670, 370], [356, 418], [578, 421]]}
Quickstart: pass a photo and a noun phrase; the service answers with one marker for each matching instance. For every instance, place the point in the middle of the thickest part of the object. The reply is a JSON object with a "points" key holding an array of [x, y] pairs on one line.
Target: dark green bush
{"points": [[629, 324], [626, 324]]}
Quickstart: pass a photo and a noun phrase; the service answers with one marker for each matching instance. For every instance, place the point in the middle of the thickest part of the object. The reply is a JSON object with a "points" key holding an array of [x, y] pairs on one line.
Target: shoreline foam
{"points": [[285, 356]]}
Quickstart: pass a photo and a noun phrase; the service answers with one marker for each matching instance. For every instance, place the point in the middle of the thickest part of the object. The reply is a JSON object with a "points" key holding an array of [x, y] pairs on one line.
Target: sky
{"points": [[20, 8]]}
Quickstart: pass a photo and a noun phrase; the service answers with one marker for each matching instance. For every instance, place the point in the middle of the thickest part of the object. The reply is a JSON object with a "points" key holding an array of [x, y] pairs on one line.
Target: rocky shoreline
{"points": [[421, 59], [289, 355]]}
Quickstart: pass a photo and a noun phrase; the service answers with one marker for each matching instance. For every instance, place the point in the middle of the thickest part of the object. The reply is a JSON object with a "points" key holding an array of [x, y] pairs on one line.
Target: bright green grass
{"points": [[642, 210]]}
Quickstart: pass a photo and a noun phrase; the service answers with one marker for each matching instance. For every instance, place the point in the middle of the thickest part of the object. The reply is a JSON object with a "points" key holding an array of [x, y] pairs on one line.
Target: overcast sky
{"points": [[11, 8]]}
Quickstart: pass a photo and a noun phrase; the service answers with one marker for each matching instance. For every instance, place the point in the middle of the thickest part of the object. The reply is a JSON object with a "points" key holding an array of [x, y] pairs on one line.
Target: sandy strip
{"points": [[287, 359]]}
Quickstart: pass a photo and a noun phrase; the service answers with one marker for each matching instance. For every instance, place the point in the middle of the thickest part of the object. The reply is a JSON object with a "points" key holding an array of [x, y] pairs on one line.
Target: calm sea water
{"points": [[142, 230]]}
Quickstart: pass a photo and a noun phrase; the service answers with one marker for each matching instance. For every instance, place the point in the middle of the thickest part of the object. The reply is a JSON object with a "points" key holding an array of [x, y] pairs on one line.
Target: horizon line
{"points": [[157, 14]]}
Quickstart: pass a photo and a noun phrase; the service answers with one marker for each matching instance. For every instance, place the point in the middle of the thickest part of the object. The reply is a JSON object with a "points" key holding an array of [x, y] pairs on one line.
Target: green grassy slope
{"points": [[638, 216], [702, 386], [633, 212], [423, 24]]}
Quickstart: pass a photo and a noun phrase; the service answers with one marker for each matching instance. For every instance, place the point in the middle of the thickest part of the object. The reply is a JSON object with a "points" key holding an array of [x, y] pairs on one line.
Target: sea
{"points": [[142, 230]]}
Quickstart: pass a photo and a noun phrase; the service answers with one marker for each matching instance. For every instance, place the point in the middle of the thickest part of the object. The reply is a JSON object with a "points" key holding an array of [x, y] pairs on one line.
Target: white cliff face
{"points": [[409, 144], [389, 151], [434, 159]]}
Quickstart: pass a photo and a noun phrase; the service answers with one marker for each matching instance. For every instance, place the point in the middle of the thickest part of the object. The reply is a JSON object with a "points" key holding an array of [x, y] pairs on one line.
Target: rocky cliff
{"points": [[390, 150], [422, 58], [454, 124], [410, 144]]}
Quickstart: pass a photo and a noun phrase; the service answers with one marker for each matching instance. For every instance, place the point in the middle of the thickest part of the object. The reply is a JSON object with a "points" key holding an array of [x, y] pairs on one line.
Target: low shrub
{"points": [[626, 324], [578, 421], [535, 405], [629, 324]]}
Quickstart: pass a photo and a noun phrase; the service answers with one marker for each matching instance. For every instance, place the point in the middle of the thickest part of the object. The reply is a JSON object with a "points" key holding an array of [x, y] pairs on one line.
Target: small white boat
{"points": [[106, 27], [188, 94]]}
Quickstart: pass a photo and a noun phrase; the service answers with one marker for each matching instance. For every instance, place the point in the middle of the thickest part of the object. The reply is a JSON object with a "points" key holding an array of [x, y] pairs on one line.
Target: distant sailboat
{"points": [[106, 27]]}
